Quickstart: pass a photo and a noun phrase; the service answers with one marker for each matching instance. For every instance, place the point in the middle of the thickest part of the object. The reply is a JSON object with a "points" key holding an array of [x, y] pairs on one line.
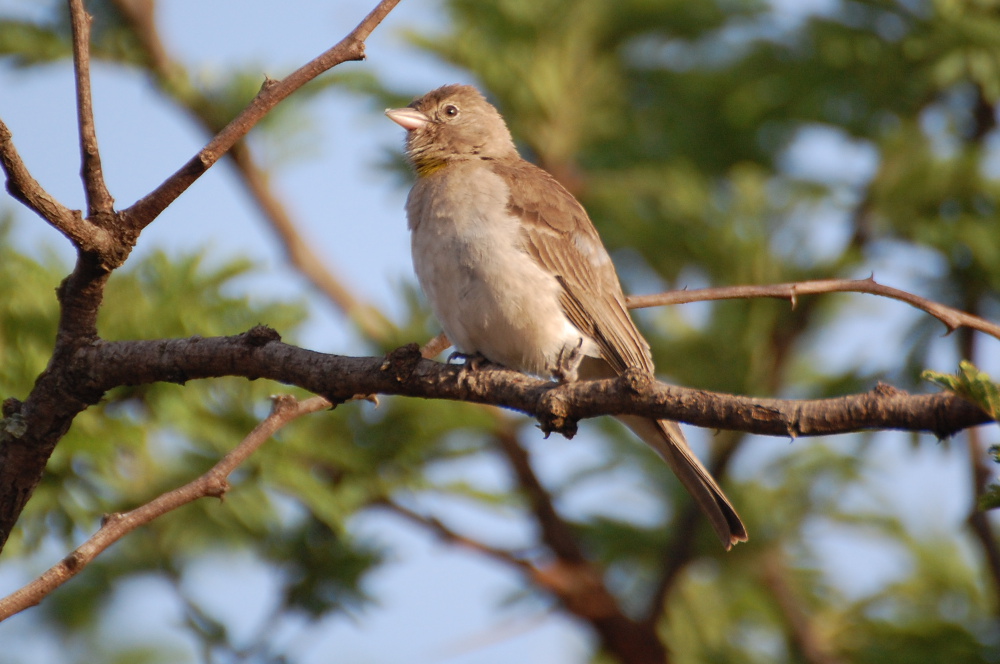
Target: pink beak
{"points": [[407, 118]]}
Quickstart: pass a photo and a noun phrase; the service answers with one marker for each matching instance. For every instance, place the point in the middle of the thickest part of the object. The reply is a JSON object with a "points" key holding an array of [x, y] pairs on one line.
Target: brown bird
{"points": [[515, 272]]}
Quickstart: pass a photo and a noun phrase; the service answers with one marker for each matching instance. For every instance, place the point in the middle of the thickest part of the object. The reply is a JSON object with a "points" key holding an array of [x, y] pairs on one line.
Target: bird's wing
{"points": [[557, 232]]}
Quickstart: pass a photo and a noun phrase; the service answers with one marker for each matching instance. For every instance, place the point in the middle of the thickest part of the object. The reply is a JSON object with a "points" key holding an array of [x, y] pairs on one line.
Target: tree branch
{"points": [[259, 353], [555, 532], [952, 318], [172, 80], [440, 530], [33, 428], [115, 526], [577, 584], [351, 47], [24, 188], [100, 204]]}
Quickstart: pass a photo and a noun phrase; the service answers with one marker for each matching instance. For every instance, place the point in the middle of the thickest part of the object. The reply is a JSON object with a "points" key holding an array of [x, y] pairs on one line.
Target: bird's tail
{"points": [[667, 439]]}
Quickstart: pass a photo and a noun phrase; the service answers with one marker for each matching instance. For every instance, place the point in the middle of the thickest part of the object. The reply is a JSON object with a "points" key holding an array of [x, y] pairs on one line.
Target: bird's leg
{"points": [[568, 363], [472, 361]]}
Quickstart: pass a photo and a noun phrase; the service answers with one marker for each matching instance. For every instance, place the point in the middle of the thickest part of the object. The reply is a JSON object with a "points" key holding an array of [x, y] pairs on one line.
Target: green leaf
{"points": [[972, 384]]}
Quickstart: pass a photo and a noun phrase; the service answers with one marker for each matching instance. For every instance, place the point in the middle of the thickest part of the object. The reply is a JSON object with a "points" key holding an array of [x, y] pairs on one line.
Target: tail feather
{"points": [[666, 439]]}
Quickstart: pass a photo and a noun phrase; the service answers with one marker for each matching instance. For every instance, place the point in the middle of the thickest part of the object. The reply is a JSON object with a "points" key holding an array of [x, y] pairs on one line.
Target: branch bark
{"points": [[100, 204], [351, 47], [27, 190], [259, 353], [172, 79], [98, 366], [115, 526], [578, 583], [951, 317], [31, 430]]}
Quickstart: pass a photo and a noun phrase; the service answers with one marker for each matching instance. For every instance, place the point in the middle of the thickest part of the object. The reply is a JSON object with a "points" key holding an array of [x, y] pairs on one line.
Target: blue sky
{"points": [[435, 604]]}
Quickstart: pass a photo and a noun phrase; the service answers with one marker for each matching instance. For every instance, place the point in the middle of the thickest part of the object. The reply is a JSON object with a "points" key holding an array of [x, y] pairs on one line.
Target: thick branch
{"points": [[99, 201], [99, 366], [258, 354], [952, 318], [115, 526], [576, 584], [33, 428], [351, 47]]}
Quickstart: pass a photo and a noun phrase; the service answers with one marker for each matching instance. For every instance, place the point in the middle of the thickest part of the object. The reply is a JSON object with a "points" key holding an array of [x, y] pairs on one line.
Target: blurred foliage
{"points": [[972, 384], [683, 127]]}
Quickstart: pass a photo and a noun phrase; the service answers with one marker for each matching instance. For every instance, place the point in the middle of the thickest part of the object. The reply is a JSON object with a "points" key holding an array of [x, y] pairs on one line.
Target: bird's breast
{"points": [[489, 295]]}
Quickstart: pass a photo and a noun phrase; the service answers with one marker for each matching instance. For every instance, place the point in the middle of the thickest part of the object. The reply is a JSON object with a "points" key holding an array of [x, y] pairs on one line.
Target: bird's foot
{"points": [[472, 361], [568, 363]]}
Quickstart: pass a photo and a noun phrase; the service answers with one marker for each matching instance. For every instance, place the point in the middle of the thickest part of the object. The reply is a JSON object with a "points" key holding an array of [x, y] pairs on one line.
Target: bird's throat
{"points": [[425, 167]]}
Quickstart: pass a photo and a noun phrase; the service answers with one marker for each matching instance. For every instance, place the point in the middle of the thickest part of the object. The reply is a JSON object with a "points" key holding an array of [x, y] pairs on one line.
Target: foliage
{"points": [[972, 384], [680, 125]]}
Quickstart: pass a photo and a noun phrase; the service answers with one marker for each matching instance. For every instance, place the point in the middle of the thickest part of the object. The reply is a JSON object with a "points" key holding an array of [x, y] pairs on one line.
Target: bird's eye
{"points": [[451, 110]]}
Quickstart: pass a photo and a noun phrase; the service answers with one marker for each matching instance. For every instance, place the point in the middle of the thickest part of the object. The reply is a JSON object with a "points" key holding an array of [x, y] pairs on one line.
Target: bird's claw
{"points": [[568, 363]]}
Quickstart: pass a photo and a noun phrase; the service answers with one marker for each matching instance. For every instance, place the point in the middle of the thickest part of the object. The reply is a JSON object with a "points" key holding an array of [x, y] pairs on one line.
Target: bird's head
{"points": [[452, 123]]}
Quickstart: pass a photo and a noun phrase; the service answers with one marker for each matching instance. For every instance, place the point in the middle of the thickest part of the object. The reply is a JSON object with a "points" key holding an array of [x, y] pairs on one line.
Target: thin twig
{"points": [[173, 81], [24, 188], [100, 204], [351, 47], [440, 530], [115, 526], [951, 317]]}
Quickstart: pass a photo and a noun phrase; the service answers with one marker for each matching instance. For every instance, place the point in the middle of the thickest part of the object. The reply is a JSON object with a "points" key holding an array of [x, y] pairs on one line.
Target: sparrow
{"points": [[516, 273]]}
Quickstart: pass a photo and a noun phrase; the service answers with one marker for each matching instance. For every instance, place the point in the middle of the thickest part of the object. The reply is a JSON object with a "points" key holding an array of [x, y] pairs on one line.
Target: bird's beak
{"points": [[407, 118]]}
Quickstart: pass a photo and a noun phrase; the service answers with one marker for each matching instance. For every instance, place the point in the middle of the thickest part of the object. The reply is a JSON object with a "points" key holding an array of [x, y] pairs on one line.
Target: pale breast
{"points": [[489, 295]]}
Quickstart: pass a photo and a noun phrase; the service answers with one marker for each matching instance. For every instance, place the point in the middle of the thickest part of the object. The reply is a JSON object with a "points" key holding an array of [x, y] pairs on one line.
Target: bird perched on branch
{"points": [[515, 272]]}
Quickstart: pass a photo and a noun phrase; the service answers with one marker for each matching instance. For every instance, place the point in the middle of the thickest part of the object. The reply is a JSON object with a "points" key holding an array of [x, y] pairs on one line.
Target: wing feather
{"points": [[557, 232]]}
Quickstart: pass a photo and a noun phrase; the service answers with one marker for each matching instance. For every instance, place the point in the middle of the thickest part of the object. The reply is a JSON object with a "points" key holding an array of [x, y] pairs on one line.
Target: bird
{"points": [[516, 273]]}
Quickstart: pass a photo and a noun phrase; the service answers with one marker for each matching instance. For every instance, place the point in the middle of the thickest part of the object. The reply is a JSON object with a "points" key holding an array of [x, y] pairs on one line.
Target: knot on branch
{"points": [[267, 84], [635, 380], [259, 335], [216, 485], [883, 390], [111, 518], [12, 406], [73, 561], [792, 422], [554, 413], [402, 362], [283, 403]]}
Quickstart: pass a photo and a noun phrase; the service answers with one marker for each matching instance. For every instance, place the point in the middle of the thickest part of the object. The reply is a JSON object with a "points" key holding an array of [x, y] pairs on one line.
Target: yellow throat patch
{"points": [[425, 167]]}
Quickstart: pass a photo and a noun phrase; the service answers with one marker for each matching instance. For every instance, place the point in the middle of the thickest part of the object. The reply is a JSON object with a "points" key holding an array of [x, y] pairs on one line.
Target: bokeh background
{"points": [[719, 142]]}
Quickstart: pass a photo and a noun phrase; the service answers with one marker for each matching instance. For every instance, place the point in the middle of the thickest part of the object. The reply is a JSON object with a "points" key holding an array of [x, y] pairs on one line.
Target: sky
{"points": [[438, 604]]}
